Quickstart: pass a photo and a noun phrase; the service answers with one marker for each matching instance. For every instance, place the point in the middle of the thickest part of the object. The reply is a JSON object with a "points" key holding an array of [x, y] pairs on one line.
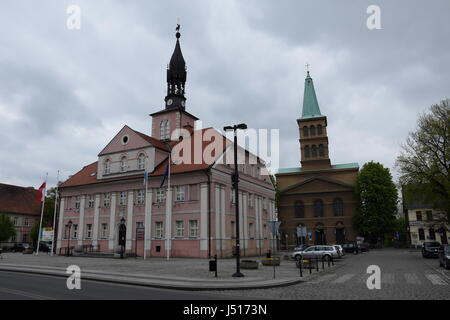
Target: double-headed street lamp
{"points": [[69, 224], [235, 182]]}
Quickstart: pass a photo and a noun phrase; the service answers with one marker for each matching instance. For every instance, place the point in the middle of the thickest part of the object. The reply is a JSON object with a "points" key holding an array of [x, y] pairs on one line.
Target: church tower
{"points": [[313, 131], [174, 116]]}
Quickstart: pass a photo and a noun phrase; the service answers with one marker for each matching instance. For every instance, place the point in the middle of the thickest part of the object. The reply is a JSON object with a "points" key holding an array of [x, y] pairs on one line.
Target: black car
{"points": [[430, 249], [44, 247], [351, 247], [444, 256], [18, 247]]}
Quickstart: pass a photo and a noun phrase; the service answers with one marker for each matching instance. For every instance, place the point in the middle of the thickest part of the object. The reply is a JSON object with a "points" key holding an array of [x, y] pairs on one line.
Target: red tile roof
{"points": [[15, 199], [88, 175]]}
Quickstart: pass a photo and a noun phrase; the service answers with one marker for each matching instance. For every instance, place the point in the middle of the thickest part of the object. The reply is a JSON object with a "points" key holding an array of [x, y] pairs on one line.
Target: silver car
{"points": [[322, 251]]}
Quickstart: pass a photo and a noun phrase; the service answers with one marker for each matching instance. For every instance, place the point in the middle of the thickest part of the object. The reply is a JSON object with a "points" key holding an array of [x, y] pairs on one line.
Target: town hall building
{"points": [[317, 195], [185, 210]]}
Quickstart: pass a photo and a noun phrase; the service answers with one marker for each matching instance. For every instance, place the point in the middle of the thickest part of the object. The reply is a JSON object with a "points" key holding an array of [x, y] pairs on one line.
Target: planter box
{"points": [[271, 261], [249, 264]]}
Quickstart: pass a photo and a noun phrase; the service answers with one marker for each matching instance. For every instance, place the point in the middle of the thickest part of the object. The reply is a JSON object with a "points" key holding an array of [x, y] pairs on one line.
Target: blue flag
{"points": [[145, 177], [166, 174]]}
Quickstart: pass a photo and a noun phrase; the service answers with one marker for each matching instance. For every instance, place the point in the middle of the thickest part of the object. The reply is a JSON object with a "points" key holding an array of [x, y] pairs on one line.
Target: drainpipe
{"points": [[208, 174]]}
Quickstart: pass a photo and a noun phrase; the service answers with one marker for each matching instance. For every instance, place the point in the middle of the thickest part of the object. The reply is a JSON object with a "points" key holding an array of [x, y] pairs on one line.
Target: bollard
{"points": [[310, 267], [301, 267], [332, 261], [215, 258], [329, 263], [323, 263], [317, 264]]}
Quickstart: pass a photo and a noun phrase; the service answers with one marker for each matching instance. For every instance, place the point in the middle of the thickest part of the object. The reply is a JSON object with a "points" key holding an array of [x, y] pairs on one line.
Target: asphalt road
{"points": [[22, 286], [405, 275]]}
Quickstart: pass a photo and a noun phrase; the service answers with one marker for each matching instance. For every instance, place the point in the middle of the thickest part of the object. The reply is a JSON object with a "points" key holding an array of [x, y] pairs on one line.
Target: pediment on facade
{"points": [[318, 184], [125, 139]]}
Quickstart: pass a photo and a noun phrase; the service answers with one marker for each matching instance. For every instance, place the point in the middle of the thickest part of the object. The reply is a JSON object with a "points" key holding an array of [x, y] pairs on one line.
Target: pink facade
{"points": [[195, 217]]}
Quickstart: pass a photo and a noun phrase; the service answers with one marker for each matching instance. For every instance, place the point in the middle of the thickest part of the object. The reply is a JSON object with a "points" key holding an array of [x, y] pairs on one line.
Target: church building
{"points": [[317, 195], [131, 200]]}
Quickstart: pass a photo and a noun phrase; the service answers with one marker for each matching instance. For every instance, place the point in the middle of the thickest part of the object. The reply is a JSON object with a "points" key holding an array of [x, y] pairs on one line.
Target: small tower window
{"points": [[319, 130], [307, 152], [161, 130], [141, 161], [305, 131], [321, 150], [314, 151], [167, 130], [123, 164], [312, 130], [106, 168]]}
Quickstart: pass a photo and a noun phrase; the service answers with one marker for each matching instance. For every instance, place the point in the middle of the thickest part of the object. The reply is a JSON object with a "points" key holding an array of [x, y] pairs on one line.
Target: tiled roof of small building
{"points": [[15, 199]]}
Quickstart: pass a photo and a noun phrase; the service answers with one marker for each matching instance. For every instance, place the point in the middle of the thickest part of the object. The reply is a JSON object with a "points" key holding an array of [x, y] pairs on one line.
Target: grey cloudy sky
{"points": [[64, 94]]}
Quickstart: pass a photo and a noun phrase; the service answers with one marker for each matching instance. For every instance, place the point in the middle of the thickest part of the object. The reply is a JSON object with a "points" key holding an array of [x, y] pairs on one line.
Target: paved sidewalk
{"points": [[176, 273]]}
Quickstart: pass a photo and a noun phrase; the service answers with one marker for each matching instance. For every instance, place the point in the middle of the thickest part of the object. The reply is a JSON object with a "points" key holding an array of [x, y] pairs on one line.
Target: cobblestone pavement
{"points": [[404, 275]]}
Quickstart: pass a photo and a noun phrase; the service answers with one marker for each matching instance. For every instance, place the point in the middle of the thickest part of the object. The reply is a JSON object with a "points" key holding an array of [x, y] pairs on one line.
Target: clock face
{"points": [[169, 102]]}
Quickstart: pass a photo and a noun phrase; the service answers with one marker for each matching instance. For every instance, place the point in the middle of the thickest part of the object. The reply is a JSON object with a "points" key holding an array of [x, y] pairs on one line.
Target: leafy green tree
{"points": [[424, 162], [7, 229], [377, 202]]}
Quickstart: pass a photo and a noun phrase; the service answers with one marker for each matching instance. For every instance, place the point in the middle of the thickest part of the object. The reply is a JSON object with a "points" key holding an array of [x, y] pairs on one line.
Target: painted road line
{"points": [[412, 278], [344, 278], [436, 279], [25, 294]]}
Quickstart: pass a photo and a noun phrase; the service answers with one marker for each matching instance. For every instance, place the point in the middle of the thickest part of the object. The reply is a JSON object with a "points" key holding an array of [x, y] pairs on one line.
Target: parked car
{"points": [[351, 248], [364, 247], [27, 249], [322, 252], [18, 247], [44, 247], [430, 249], [301, 247], [444, 256], [340, 250]]}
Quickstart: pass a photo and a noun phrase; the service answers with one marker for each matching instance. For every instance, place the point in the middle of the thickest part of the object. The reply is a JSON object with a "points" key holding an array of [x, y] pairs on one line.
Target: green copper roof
{"points": [[353, 165], [310, 104]]}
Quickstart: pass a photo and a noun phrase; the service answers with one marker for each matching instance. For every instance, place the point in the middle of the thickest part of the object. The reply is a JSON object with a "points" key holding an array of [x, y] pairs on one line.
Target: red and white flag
{"points": [[42, 192]]}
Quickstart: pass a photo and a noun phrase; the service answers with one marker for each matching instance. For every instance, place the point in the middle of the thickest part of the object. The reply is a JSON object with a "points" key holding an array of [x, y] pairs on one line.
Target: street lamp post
{"points": [[69, 224], [235, 182]]}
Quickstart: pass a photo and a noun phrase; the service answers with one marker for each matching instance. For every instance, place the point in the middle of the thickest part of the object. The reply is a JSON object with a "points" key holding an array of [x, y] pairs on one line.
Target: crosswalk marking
{"points": [[412, 278], [344, 278], [436, 279]]}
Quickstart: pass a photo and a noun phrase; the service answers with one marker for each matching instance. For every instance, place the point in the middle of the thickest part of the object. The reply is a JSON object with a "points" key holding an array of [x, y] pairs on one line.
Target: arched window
{"points": [[318, 208], [314, 151], [123, 164], [340, 233], [299, 209], [319, 130], [161, 130], [307, 152], [167, 129], [338, 207], [321, 150], [312, 130], [141, 161], [107, 167], [305, 131]]}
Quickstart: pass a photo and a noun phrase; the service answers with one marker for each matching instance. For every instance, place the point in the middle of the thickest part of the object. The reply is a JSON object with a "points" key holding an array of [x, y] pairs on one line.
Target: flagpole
{"points": [[42, 214], [145, 209], [168, 189], [54, 212]]}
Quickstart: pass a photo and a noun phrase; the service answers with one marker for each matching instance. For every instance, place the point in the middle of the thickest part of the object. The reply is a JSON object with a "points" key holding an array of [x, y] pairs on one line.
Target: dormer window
{"points": [[123, 164], [107, 167]]}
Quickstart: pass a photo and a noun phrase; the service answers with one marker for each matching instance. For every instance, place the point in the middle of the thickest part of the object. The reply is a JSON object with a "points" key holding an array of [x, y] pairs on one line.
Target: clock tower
{"points": [[174, 116]]}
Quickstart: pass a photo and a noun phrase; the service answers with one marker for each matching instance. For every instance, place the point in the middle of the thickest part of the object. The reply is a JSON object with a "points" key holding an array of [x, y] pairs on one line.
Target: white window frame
{"points": [[193, 228], [106, 200], [140, 198], [104, 233], [233, 196], [26, 222], [167, 129], [16, 221], [123, 198], [77, 202], [91, 201], [180, 193], [107, 167], [139, 224], [141, 161], [75, 231], [180, 228], [162, 130], [159, 229], [159, 195], [88, 231], [123, 164]]}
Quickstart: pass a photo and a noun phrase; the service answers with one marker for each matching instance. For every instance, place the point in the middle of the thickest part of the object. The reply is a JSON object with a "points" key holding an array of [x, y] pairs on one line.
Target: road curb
{"points": [[155, 283]]}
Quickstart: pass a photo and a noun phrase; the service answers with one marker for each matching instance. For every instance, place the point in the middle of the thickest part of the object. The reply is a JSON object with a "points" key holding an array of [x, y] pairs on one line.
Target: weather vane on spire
{"points": [[307, 67], [177, 29]]}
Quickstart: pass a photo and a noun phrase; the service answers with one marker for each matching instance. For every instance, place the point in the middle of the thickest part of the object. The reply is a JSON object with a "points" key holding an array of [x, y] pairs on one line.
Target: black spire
{"points": [[176, 77]]}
